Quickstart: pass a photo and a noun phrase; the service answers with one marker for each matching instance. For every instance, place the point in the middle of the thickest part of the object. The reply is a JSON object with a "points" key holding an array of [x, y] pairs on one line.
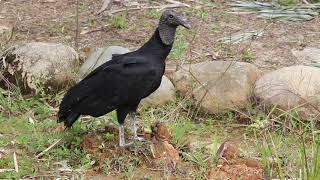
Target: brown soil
{"points": [[159, 158], [54, 21], [151, 157], [232, 166]]}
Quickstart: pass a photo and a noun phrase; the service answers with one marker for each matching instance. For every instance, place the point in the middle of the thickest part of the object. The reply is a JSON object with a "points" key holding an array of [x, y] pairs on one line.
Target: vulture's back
{"points": [[123, 81]]}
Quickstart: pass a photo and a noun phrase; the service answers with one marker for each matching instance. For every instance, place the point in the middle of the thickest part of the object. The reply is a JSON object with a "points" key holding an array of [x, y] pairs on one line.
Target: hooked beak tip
{"points": [[186, 25]]}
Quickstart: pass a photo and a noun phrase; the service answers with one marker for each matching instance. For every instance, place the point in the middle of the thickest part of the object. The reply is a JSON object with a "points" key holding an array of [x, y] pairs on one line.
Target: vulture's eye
{"points": [[170, 16]]}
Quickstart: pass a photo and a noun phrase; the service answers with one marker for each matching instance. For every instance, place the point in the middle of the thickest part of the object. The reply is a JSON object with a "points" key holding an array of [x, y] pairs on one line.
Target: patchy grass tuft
{"points": [[119, 22]]}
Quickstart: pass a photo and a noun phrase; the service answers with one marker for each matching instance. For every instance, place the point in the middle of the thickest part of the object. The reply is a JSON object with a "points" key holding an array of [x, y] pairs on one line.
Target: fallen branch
{"points": [[177, 2], [101, 28], [150, 7], [50, 147], [305, 1]]}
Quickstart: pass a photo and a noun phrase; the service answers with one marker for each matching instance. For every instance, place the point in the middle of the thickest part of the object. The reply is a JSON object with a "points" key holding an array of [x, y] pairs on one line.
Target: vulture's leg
{"points": [[134, 128], [122, 141], [121, 115]]}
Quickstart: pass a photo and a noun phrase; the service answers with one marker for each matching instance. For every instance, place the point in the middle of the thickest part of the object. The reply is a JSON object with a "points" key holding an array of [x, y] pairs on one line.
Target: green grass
{"points": [[247, 55], [179, 45], [83, 8], [55, 30], [290, 151], [154, 14], [30, 129], [119, 22], [283, 146], [287, 2], [180, 131], [201, 13]]}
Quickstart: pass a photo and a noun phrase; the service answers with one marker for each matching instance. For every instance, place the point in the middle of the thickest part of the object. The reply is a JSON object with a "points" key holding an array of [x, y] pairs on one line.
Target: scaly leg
{"points": [[122, 142], [134, 128]]}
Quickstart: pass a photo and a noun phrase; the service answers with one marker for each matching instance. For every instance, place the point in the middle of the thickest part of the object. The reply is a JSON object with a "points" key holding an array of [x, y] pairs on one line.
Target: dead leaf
{"points": [[220, 150]]}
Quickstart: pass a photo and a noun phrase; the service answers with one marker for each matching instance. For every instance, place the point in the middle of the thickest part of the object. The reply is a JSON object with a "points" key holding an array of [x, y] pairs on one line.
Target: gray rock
{"points": [[291, 87], [97, 58], [37, 63], [218, 85], [307, 55], [165, 93]]}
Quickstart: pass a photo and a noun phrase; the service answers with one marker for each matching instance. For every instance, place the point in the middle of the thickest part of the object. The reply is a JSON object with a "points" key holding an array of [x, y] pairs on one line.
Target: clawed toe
{"points": [[137, 138], [124, 145]]}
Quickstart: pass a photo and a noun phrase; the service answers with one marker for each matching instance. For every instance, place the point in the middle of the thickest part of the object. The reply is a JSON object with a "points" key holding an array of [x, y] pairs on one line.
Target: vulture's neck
{"points": [[156, 47]]}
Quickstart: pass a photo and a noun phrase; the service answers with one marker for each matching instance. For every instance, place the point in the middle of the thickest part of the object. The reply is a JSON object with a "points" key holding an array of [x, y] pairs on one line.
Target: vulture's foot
{"points": [[122, 141], [137, 138], [124, 145]]}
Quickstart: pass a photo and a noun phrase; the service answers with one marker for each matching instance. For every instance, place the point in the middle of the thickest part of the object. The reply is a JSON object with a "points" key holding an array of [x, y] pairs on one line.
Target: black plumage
{"points": [[122, 82]]}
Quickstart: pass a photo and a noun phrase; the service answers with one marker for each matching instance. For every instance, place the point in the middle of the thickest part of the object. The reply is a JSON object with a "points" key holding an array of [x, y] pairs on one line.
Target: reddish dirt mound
{"points": [[232, 166], [108, 149], [152, 154], [156, 154]]}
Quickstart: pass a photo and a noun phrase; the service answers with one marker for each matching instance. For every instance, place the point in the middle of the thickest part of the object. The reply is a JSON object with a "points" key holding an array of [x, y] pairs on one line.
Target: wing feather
{"points": [[123, 80]]}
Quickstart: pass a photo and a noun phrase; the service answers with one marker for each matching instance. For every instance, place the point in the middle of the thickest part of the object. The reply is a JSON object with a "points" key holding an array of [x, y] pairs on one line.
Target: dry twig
{"points": [[6, 170], [50, 147], [16, 167]]}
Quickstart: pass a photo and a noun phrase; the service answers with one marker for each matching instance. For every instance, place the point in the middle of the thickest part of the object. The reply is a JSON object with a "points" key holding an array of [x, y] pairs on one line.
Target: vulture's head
{"points": [[170, 18], [168, 23]]}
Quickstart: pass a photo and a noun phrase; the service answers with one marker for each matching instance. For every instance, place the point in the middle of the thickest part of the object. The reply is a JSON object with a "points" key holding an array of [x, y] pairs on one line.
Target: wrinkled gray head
{"points": [[168, 23]]}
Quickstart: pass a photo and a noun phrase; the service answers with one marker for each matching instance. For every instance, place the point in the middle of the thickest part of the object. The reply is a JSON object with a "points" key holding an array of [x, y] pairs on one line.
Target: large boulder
{"points": [[165, 93], [162, 95], [36, 65], [97, 58], [218, 85], [295, 87]]}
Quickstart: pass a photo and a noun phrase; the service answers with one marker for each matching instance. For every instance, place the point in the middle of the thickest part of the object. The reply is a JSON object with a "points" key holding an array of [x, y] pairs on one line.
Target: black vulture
{"points": [[122, 82]]}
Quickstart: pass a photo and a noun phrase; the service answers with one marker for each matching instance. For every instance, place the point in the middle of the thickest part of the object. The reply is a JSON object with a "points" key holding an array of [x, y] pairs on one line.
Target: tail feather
{"points": [[68, 119]]}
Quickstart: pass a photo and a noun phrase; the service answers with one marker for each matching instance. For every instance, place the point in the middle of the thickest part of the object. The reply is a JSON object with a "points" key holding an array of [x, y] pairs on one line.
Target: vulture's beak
{"points": [[183, 22]]}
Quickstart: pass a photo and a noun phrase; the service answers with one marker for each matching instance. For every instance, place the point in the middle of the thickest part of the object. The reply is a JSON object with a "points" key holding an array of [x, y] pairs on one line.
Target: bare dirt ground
{"points": [[55, 21]]}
